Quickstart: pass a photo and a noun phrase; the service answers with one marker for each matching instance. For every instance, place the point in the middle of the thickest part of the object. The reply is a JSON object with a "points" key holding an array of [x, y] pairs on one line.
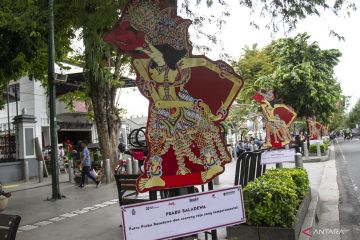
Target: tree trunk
{"points": [[102, 89], [106, 119]]}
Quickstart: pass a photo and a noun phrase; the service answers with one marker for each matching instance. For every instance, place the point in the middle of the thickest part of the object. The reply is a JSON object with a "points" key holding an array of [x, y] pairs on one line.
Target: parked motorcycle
{"points": [[333, 136], [348, 136]]}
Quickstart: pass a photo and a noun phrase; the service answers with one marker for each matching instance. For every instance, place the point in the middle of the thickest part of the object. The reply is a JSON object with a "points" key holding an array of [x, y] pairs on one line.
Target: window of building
{"points": [[13, 93]]}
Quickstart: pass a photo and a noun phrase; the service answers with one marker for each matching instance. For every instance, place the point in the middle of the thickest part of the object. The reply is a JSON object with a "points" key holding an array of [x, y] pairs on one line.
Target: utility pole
{"points": [[51, 75], [7, 139]]}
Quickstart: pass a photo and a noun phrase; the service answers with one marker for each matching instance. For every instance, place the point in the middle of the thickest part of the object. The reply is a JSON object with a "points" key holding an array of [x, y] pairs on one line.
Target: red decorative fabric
{"points": [[138, 155]]}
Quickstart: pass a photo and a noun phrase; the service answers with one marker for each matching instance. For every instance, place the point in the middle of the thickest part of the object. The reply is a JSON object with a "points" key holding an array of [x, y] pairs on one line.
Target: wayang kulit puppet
{"points": [[315, 129], [278, 118], [325, 131], [188, 96]]}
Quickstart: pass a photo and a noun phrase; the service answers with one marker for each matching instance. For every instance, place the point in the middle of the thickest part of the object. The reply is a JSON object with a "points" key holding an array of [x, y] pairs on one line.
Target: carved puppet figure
{"points": [[315, 129], [325, 131], [278, 119], [188, 96]]}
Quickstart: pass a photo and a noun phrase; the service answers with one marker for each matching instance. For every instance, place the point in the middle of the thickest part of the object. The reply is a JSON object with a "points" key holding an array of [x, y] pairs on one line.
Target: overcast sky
{"points": [[237, 33]]}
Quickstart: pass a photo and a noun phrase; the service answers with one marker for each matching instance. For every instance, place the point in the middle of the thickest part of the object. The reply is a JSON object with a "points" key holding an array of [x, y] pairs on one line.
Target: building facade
{"points": [[28, 98]]}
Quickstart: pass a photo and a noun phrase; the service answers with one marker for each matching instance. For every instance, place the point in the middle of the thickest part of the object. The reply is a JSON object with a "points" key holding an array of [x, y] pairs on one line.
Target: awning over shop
{"points": [[74, 82], [74, 126]]}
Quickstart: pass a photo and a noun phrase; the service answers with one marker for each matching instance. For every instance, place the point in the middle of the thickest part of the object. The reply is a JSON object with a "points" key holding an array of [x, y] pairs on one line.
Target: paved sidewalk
{"points": [[85, 213], [33, 183], [329, 201], [93, 213]]}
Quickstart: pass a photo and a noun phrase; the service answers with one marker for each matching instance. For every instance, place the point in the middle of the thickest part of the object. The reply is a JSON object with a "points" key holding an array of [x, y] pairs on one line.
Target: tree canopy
{"points": [[353, 117], [23, 38], [301, 74], [23, 25]]}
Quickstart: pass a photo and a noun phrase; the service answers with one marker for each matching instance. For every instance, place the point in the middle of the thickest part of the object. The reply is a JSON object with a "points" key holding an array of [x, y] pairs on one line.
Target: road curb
{"points": [[320, 159], [312, 216], [38, 186]]}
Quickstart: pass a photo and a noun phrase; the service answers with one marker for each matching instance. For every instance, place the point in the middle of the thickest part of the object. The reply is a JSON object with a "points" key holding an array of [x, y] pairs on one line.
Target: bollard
{"points": [[41, 171], [107, 170], [279, 165], [71, 171], [135, 166], [217, 180], [129, 166], [318, 149], [26, 170], [299, 161], [306, 151]]}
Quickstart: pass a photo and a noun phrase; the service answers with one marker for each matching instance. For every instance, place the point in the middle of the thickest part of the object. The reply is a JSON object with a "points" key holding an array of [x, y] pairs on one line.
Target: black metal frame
{"points": [[8, 226], [248, 168]]}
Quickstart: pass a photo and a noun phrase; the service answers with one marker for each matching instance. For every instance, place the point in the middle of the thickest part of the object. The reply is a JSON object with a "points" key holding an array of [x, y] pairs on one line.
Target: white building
{"points": [[29, 97]]}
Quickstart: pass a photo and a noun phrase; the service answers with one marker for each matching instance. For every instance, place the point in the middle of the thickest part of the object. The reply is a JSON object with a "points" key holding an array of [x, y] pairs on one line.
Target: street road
{"points": [[348, 167], [85, 213]]}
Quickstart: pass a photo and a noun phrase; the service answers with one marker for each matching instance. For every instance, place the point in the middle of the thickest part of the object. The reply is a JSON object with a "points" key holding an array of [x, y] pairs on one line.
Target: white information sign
{"points": [[316, 141], [183, 215], [278, 156]]}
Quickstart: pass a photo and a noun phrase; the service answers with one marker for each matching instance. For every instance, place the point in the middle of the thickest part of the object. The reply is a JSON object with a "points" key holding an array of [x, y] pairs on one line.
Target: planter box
{"points": [[315, 154], [246, 232]]}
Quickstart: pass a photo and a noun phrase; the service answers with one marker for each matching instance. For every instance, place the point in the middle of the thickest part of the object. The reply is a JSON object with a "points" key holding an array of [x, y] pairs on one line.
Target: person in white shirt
{"points": [[61, 152]]}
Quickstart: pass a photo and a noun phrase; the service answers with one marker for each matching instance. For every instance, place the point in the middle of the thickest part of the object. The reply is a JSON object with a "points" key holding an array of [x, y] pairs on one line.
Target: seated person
{"points": [[3, 193]]}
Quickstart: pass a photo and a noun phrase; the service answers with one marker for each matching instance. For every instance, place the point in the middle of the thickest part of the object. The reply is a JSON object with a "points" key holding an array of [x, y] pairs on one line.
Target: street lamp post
{"points": [[51, 75]]}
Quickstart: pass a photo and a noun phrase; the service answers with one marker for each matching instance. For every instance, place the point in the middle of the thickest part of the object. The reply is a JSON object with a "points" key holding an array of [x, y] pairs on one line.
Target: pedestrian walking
{"points": [[86, 165], [302, 141]]}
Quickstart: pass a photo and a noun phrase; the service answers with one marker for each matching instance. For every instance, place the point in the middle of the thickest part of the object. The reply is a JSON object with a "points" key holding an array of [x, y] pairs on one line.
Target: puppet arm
{"points": [[225, 74], [177, 104], [139, 65]]}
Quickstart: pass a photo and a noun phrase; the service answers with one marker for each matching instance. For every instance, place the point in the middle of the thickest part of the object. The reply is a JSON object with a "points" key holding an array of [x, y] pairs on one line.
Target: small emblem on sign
{"points": [[133, 212]]}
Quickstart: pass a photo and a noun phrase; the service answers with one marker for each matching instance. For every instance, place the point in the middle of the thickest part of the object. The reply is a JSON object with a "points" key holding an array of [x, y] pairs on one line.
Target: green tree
{"points": [[23, 32], [253, 65], [301, 74], [353, 117], [304, 76], [24, 38], [103, 67], [338, 118]]}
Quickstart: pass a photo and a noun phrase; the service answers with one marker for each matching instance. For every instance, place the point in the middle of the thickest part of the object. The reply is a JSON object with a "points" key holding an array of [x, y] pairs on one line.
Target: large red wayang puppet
{"points": [[315, 129], [188, 96], [278, 119]]}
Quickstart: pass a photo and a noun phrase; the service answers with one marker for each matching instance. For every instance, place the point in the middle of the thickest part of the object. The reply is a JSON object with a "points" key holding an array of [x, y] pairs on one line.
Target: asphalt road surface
{"points": [[348, 167]]}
